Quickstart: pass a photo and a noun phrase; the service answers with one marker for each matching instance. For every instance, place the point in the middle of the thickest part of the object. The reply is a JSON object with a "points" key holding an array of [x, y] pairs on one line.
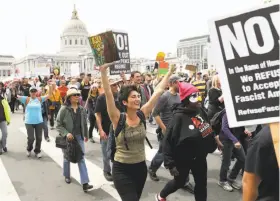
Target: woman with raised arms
{"points": [[129, 166]]}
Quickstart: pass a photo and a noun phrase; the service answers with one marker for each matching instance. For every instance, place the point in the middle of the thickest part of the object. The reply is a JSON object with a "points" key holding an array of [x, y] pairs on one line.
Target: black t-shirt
{"points": [[214, 104], [101, 107], [84, 91], [25, 89], [261, 160]]}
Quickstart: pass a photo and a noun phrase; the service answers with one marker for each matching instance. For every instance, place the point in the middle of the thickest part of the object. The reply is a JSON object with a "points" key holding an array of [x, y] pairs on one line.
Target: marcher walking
{"points": [[34, 120], [129, 166], [72, 123], [5, 118]]}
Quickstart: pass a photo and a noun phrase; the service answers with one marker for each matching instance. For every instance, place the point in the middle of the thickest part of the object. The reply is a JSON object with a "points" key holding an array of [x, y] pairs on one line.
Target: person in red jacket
{"points": [[63, 89]]}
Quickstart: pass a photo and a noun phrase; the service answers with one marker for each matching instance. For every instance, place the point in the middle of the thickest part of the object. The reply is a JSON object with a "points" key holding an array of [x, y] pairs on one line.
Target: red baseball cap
{"points": [[186, 89]]}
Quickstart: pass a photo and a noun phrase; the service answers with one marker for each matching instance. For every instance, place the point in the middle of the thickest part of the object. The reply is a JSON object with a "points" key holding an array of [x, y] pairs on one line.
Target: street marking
{"points": [[7, 189], [95, 173]]}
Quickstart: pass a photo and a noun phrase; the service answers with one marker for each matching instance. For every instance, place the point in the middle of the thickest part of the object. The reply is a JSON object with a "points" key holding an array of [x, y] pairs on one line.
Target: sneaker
{"points": [[225, 185], [234, 184], [28, 153], [153, 175], [5, 149], [189, 187], [68, 180], [159, 199], [52, 128], [87, 187], [108, 176], [1, 152], [47, 139], [91, 140], [39, 155]]}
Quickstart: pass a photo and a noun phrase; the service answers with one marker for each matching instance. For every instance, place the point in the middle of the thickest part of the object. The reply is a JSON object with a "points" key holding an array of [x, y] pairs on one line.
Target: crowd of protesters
{"points": [[183, 108]]}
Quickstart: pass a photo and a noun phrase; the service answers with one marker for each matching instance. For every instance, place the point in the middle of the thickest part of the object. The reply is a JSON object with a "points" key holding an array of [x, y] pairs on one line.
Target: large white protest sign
{"points": [[246, 49], [42, 71], [75, 69]]}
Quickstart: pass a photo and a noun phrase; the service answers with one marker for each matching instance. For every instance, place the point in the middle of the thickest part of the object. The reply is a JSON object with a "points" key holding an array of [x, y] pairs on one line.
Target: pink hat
{"points": [[186, 89]]}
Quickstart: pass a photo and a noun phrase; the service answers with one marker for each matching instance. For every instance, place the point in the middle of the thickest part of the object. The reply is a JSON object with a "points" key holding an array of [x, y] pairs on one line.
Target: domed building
{"points": [[75, 52], [74, 37]]}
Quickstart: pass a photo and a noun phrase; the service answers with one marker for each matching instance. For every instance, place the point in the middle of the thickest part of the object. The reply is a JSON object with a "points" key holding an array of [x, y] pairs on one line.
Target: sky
{"points": [[34, 26]]}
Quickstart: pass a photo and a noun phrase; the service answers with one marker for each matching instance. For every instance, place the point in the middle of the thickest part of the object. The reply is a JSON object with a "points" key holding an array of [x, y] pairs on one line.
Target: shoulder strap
{"points": [[142, 118], [121, 124]]}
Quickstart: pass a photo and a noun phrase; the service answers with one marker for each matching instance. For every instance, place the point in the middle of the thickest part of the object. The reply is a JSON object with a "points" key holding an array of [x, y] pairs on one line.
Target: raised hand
{"points": [[172, 69], [105, 66]]}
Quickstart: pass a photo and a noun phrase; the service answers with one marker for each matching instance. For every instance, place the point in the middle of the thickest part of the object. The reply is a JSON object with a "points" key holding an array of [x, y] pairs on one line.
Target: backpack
{"points": [[28, 100], [216, 121], [111, 143]]}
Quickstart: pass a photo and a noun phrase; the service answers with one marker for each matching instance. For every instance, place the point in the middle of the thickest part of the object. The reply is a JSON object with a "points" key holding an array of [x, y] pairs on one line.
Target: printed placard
{"points": [[104, 48], [123, 65], [246, 46]]}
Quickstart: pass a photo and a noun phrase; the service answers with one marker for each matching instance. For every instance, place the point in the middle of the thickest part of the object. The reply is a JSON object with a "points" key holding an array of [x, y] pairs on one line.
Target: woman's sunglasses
{"points": [[194, 97], [33, 91], [77, 95]]}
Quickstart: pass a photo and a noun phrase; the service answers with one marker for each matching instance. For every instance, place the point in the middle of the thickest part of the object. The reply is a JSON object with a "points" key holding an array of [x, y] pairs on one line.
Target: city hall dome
{"points": [[74, 37]]}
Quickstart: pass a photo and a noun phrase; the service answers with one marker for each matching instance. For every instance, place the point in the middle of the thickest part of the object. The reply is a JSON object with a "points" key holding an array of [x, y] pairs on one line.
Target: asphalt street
{"points": [[32, 179]]}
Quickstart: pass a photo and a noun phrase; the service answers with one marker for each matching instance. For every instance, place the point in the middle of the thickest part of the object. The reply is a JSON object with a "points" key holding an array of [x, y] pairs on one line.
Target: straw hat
{"points": [[72, 92]]}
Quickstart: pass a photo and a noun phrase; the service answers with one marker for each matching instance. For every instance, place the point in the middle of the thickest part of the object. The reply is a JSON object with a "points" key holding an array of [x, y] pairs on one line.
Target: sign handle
{"points": [[274, 129]]}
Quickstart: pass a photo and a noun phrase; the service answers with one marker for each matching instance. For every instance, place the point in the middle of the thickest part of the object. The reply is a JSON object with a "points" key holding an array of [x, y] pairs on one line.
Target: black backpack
{"points": [[216, 121], [111, 143]]}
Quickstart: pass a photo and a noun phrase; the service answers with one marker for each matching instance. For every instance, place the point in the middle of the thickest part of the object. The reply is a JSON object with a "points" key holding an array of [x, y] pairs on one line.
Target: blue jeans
{"points": [[228, 150], [82, 165], [106, 160], [3, 138], [158, 159]]}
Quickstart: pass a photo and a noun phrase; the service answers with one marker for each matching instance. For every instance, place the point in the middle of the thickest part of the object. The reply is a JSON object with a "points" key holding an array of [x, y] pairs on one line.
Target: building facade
{"points": [[6, 68], [74, 49], [195, 49]]}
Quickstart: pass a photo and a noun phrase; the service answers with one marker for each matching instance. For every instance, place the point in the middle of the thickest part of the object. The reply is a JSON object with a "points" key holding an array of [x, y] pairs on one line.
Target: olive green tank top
{"points": [[135, 137]]}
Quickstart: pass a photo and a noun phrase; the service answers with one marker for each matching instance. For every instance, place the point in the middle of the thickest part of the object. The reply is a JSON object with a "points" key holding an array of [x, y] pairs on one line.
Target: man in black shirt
{"points": [[103, 123], [261, 176], [25, 90], [25, 87]]}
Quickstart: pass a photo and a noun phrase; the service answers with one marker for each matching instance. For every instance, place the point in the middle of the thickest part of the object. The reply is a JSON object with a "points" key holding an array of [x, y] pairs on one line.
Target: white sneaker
{"points": [[226, 186], [39, 155], [28, 153]]}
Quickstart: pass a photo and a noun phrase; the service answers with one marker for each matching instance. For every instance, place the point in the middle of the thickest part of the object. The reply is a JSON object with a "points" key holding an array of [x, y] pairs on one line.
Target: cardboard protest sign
{"points": [[246, 46], [104, 48], [123, 65], [163, 68]]}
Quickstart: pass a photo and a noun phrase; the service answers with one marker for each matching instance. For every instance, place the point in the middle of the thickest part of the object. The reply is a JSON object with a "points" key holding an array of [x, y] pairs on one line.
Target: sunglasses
{"points": [[77, 95], [33, 91], [194, 97], [113, 85]]}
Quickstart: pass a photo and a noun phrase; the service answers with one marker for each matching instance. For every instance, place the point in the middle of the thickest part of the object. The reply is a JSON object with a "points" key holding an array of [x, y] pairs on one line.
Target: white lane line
{"points": [[7, 189], [95, 173]]}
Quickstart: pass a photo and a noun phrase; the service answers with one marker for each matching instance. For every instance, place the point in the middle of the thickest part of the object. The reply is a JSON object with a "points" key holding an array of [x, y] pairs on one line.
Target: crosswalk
{"points": [[28, 179]]}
